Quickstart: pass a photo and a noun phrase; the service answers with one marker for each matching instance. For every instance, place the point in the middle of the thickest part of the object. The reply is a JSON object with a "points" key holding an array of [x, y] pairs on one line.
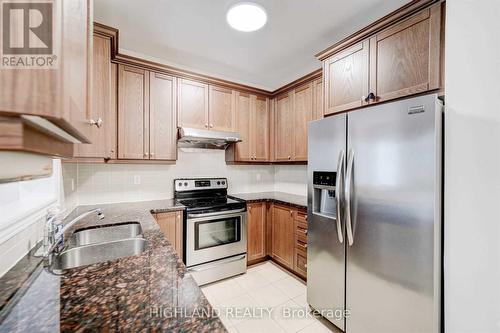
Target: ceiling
{"points": [[193, 34]]}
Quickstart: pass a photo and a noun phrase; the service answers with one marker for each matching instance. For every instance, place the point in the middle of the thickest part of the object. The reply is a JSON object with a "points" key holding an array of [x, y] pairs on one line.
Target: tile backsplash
{"points": [[86, 183]]}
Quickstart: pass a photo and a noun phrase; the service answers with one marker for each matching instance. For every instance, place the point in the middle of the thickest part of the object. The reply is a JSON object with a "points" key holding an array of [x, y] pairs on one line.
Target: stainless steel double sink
{"points": [[99, 244]]}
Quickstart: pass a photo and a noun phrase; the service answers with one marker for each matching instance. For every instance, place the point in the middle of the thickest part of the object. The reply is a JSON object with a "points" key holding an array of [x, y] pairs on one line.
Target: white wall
{"points": [[105, 183], [291, 179], [472, 166]]}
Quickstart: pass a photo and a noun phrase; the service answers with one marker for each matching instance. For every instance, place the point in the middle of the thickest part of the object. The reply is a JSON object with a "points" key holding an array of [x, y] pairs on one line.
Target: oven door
{"points": [[214, 236]]}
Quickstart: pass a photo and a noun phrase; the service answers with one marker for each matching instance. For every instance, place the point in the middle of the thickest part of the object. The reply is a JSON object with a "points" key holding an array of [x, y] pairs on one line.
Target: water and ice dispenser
{"points": [[324, 200]]}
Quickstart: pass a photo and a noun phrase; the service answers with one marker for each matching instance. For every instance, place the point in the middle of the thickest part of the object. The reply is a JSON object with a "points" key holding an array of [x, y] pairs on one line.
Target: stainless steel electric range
{"points": [[215, 231]]}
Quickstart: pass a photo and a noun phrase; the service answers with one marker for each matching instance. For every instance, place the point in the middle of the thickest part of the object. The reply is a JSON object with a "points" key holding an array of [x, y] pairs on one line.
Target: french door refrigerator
{"points": [[374, 212]]}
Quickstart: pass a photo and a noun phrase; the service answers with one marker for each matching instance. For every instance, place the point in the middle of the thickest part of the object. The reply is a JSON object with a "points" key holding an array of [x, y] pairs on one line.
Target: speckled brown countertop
{"points": [[298, 201], [139, 293]]}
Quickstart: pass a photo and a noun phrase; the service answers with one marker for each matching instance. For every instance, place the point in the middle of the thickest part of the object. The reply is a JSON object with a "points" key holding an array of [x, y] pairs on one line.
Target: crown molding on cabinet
{"points": [[300, 81], [391, 18]]}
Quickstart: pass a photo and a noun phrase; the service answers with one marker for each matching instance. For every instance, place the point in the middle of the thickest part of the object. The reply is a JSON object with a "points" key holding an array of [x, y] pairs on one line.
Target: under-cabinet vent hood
{"points": [[198, 138]]}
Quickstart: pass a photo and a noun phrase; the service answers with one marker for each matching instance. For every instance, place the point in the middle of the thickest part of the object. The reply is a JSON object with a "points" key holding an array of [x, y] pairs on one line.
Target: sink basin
{"points": [[106, 234], [98, 252]]}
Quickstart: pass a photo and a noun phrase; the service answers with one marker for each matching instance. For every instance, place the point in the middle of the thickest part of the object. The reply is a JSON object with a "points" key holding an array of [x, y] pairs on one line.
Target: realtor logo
{"points": [[27, 34]]}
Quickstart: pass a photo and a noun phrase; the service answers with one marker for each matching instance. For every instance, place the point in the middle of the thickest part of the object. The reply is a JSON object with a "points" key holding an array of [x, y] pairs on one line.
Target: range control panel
{"points": [[324, 178], [185, 184]]}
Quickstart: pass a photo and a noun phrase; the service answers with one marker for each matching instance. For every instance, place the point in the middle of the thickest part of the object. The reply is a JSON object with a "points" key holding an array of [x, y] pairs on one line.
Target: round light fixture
{"points": [[246, 16]]}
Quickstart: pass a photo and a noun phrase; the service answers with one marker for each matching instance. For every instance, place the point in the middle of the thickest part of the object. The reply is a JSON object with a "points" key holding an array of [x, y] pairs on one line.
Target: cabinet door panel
{"points": [[162, 128], [133, 124], [303, 113], [260, 129], [222, 109], [346, 79], [318, 99], [171, 226], [283, 235], [193, 104], [243, 119], [256, 231], [103, 104], [284, 138], [404, 58]]}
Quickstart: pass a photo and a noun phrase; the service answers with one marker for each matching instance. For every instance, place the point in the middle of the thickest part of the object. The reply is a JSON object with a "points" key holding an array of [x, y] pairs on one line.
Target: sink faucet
{"points": [[54, 230]]}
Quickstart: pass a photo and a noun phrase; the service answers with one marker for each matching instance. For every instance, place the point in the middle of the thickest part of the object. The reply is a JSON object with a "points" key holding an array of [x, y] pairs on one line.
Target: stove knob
{"points": [[218, 182], [180, 184], [223, 183], [185, 184]]}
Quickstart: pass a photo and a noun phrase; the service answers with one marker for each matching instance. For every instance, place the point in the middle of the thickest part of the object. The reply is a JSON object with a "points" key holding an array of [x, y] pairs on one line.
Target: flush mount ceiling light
{"points": [[246, 16]]}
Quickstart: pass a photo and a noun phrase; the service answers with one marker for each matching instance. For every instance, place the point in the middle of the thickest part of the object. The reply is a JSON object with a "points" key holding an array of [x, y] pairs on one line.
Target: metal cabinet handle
{"points": [[97, 123], [348, 180], [338, 194], [146, 154], [371, 96], [206, 125], [152, 154], [289, 157], [211, 125]]}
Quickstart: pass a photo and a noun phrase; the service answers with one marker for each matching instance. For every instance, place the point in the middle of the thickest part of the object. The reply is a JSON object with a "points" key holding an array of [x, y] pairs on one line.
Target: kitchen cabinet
{"points": [[256, 231], [171, 226], [318, 99], [146, 115], [193, 104], [252, 123], [103, 104], [284, 128], [59, 94], [300, 250], [303, 113], [405, 58], [346, 79], [400, 60], [283, 235], [221, 111]]}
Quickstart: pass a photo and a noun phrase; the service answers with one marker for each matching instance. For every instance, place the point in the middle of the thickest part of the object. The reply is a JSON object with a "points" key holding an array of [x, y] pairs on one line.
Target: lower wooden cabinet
{"points": [[256, 231], [283, 235], [300, 250], [171, 225]]}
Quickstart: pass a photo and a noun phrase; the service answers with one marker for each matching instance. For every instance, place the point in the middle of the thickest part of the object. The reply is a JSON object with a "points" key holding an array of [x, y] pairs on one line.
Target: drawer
{"points": [[301, 242], [300, 264]]}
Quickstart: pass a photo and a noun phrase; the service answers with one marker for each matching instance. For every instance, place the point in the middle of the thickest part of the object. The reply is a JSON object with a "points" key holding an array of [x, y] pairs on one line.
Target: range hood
{"points": [[198, 138]]}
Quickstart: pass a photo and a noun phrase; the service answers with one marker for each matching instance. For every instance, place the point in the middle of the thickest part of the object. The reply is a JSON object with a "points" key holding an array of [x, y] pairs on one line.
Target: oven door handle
{"points": [[219, 262], [224, 212]]}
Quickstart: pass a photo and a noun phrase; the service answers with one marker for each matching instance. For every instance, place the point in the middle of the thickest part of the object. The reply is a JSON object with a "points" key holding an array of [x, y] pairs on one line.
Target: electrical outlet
{"points": [[137, 179]]}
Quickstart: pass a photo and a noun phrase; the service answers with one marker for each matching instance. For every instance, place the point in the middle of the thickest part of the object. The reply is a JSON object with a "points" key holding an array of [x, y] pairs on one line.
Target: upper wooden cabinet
{"points": [[103, 104], [400, 60], [59, 94], [318, 99], [222, 109], [303, 113], [256, 231], [193, 104], [284, 128], [405, 58], [259, 129], [346, 78], [146, 115], [162, 117]]}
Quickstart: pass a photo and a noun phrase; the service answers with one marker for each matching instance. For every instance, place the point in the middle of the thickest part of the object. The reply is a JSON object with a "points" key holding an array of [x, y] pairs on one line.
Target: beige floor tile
{"points": [[272, 272], [269, 296], [239, 308], [291, 286], [319, 327], [252, 280], [224, 290], [292, 317], [258, 326], [301, 300]]}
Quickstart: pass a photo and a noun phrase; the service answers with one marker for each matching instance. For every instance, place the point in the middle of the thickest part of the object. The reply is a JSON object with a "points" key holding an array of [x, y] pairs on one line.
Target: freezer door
{"points": [[325, 253], [393, 180]]}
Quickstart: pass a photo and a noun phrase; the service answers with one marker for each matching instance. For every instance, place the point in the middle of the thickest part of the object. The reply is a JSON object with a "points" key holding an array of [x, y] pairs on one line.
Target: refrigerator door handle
{"points": [[338, 194], [348, 182]]}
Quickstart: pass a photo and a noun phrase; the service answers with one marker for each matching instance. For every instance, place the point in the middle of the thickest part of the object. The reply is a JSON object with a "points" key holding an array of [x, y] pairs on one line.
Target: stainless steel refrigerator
{"points": [[374, 212]]}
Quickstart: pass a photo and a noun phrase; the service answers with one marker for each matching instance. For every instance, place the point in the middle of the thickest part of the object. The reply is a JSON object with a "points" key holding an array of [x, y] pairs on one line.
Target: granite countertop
{"points": [[148, 292], [299, 201]]}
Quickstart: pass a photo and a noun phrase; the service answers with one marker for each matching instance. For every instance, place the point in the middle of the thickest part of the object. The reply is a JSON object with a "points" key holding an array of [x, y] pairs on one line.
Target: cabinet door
{"points": [[256, 231], [260, 129], [303, 114], [346, 79], [193, 104], [171, 226], [404, 59], [103, 107], [162, 122], [318, 99], [283, 235], [243, 116], [222, 112], [284, 137], [133, 122]]}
